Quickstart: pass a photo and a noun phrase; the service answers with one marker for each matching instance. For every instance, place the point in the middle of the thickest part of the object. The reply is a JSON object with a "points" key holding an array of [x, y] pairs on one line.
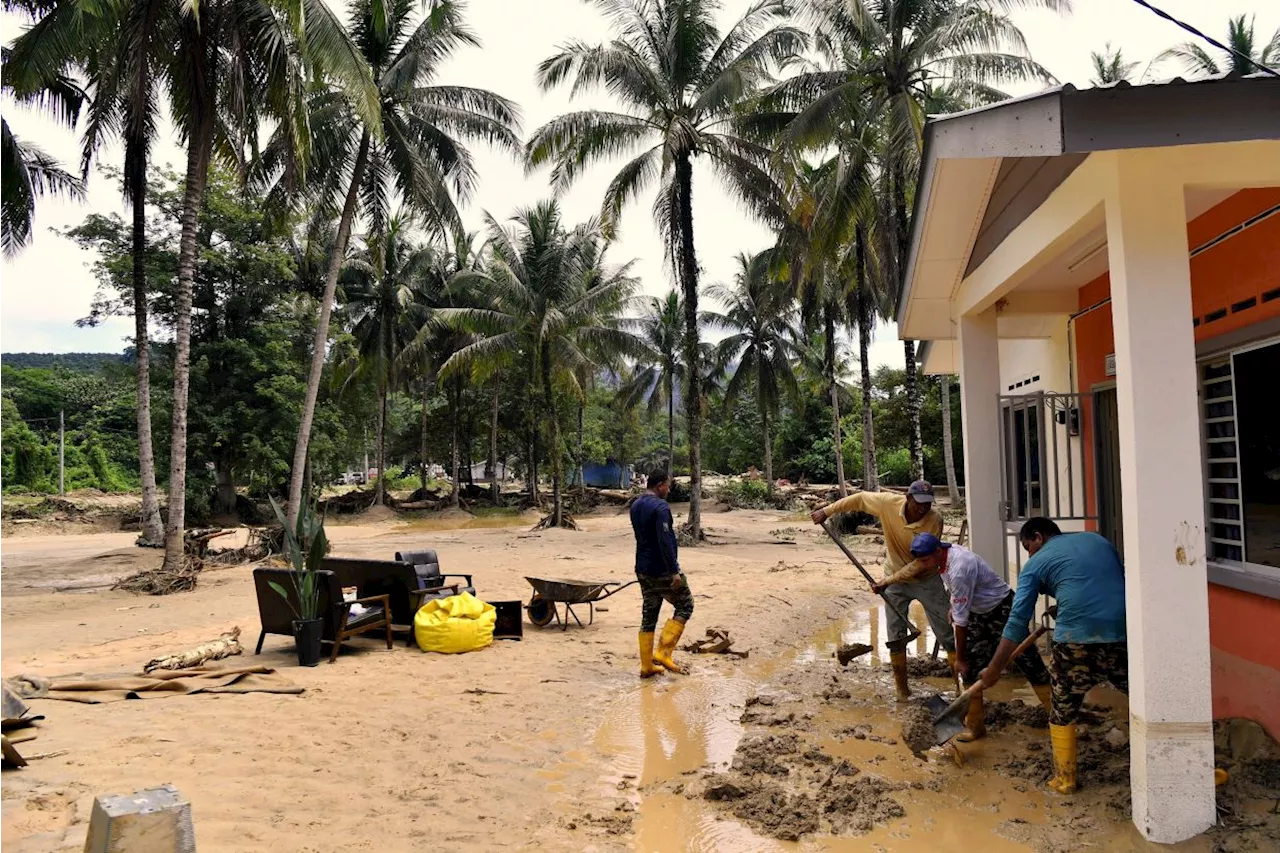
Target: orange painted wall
{"points": [[1245, 655]]}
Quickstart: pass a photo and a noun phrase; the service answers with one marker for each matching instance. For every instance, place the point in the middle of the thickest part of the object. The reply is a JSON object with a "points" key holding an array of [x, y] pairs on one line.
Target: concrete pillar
{"points": [[1166, 588], [979, 401]]}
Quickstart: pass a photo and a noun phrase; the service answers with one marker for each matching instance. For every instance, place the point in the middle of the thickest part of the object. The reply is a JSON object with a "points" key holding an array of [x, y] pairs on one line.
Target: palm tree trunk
{"points": [[493, 445], [688, 273], [829, 359], [902, 232], [768, 448], [152, 528], [582, 477], [380, 492], [913, 409], [948, 454], [671, 426], [870, 479], [422, 439], [319, 345], [455, 497], [557, 457], [198, 152], [532, 473]]}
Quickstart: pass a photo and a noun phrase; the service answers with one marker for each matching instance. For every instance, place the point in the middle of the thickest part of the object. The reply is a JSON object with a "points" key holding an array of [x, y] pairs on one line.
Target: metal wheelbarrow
{"points": [[548, 592]]}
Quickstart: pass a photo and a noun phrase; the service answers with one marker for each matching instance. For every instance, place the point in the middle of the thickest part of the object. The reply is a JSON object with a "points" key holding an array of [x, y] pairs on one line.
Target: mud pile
{"points": [[923, 666], [1016, 713], [917, 729], [786, 791], [844, 802], [1247, 818]]}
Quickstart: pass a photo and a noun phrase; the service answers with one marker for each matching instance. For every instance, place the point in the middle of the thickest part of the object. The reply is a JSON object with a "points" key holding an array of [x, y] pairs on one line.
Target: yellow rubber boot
{"points": [[1045, 694], [647, 669], [953, 659], [1064, 758], [667, 644], [898, 660], [974, 721]]}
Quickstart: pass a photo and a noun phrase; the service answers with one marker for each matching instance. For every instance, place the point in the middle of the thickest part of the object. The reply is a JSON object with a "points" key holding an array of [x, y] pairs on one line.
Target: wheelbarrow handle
{"points": [[617, 587], [853, 559]]}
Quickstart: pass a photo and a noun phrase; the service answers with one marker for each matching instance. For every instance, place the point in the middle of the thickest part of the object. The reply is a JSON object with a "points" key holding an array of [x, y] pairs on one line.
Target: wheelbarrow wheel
{"points": [[541, 611]]}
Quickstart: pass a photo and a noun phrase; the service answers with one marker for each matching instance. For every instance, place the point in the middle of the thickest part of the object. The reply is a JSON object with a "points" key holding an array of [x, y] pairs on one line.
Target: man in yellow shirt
{"points": [[901, 518]]}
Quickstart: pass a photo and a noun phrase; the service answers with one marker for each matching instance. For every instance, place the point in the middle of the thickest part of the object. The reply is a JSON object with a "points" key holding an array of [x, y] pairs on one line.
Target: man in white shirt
{"points": [[980, 605]]}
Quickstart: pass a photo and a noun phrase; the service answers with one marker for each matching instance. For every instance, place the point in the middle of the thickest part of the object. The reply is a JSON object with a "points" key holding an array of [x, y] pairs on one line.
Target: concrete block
{"points": [[157, 820]]}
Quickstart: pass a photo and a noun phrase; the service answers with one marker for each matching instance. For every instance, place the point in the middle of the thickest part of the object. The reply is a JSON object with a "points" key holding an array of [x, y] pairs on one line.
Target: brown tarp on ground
{"points": [[178, 682]]}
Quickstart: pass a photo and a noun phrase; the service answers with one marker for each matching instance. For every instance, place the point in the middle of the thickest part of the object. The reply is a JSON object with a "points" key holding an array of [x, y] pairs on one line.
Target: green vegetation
{"points": [[321, 308]]}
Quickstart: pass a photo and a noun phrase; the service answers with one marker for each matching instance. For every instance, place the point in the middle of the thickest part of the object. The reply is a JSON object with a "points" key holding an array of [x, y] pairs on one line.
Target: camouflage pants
{"points": [[655, 590], [1078, 667], [982, 638]]}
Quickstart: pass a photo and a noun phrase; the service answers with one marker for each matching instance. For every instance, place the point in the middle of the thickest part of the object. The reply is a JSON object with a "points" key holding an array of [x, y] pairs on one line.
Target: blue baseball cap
{"points": [[925, 544], [921, 492]]}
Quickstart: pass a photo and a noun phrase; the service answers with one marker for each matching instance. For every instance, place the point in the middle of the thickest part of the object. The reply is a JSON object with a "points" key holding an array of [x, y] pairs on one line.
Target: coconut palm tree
{"points": [[412, 146], [1109, 66], [1243, 58], [898, 56], [660, 371], [225, 65], [542, 311], [28, 172], [759, 316], [600, 353], [680, 82], [122, 59], [384, 296]]}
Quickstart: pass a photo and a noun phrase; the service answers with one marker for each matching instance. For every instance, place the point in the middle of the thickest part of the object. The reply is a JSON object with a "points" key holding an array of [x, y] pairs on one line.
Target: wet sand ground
{"points": [[564, 748]]}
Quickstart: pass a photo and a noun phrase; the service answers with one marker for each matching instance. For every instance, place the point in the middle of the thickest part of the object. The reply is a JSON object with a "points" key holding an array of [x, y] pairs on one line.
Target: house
{"points": [[1102, 268]]}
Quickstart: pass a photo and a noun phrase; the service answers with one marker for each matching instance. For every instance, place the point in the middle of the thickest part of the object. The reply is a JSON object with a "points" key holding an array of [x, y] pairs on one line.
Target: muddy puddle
{"points": [[668, 742]]}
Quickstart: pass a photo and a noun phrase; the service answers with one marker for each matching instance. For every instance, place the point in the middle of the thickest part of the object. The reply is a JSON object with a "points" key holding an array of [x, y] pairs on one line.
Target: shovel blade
{"points": [[947, 721], [846, 654], [901, 645]]}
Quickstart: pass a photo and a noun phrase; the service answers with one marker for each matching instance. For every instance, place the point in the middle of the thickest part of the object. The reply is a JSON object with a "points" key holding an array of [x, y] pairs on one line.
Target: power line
{"points": [[1219, 45]]}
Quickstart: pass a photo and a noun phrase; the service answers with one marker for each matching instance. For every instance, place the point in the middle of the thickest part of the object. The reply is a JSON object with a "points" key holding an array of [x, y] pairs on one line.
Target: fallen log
{"points": [[225, 646]]}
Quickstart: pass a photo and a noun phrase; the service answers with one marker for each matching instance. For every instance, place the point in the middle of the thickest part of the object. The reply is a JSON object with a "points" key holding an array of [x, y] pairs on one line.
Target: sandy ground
{"points": [[566, 749]]}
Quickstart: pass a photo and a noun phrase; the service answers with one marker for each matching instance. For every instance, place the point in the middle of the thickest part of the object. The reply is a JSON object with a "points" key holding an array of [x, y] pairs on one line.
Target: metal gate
{"points": [[1048, 461]]}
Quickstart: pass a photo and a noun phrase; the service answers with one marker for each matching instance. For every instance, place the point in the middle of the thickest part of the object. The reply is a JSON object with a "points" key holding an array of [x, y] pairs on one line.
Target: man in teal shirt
{"points": [[1082, 571]]}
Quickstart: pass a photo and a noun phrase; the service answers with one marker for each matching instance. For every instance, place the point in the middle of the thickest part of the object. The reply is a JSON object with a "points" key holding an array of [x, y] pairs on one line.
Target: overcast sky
{"points": [[50, 285]]}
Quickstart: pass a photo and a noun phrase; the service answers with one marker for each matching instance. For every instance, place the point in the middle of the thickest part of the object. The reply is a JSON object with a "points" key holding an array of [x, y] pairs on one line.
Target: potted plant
{"points": [[304, 548]]}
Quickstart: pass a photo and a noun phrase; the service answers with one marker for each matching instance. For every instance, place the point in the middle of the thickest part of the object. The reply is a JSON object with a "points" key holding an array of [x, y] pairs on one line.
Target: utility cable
{"points": [[1219, 45]]}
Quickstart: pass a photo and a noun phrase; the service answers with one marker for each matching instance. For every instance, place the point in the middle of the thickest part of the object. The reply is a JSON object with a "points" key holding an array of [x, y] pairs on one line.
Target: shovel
{"points": [[912, 630], [950, 722]]}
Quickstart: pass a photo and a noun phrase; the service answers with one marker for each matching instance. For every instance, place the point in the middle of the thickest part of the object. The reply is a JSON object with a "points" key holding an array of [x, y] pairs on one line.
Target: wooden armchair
{"points": [[277, 613]]}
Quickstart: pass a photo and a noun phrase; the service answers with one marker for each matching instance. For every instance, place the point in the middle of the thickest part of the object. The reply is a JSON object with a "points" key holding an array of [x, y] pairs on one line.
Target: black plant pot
{"points": [[306, 635]]}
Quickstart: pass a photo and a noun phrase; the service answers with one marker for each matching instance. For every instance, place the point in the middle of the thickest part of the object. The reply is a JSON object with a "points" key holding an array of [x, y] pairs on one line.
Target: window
{"points": [[1242, 458]]}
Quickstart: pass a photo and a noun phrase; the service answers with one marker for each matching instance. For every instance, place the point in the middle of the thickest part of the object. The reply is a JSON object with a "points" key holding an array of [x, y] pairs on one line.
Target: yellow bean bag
{"points": [[453, 625]]}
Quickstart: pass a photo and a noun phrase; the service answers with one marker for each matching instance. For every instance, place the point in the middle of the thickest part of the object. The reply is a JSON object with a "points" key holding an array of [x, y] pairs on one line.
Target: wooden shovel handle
{"points": [[963, 699]]}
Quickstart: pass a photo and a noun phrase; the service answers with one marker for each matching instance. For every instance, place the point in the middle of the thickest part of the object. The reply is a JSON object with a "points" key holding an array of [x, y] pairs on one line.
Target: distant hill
{"points": [[86, 362]]}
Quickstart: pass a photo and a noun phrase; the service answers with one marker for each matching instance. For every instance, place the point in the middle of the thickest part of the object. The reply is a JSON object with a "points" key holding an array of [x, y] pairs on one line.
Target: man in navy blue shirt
{"points": [[658, 570]]}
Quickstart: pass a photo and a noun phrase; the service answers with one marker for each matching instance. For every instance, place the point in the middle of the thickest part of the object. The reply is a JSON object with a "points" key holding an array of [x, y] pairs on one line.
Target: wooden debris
{"points": [[477, 691], [183, 579], [717, 642], [57, 753], [225, 646], [566, 522]]}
